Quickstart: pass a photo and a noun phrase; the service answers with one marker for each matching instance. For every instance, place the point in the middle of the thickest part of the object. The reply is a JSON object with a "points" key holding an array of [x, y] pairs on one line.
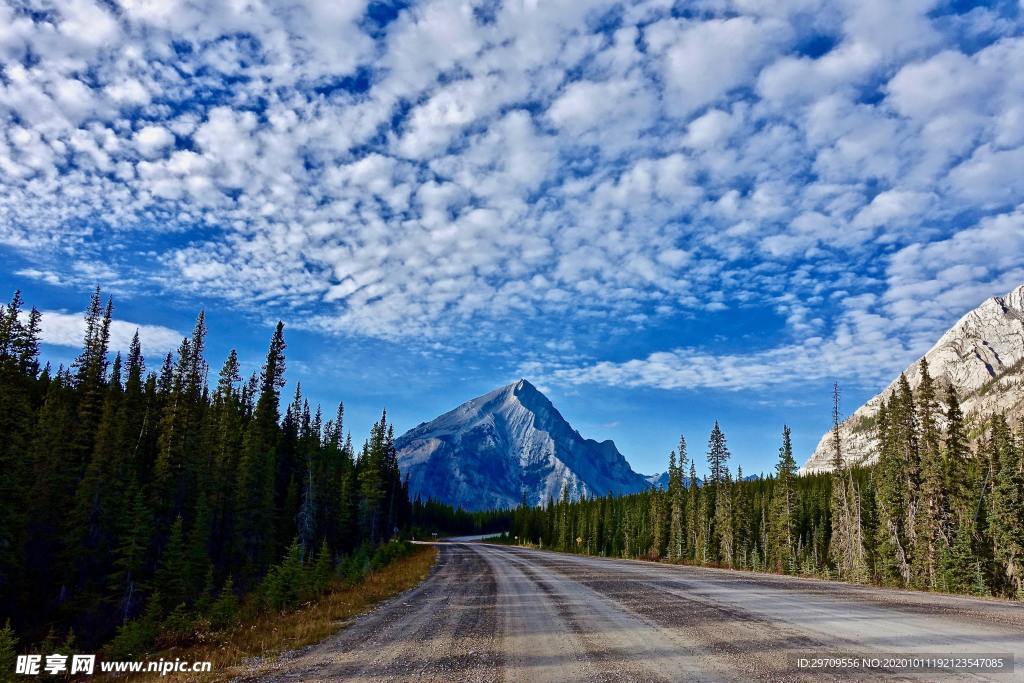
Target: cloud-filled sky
{"points": [[660, 212]]}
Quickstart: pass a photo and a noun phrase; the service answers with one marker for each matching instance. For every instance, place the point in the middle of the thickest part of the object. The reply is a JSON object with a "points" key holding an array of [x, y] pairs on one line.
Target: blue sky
{"points": [[660, 213]]}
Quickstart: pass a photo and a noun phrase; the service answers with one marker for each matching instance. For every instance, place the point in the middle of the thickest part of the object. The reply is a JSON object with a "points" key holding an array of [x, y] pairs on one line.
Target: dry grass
{"points": [[235, 652]]}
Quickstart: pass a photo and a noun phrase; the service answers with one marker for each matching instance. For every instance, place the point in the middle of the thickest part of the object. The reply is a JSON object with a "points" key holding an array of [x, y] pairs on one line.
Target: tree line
{"points": [[933, 513], [133, 495], [431, 516]]}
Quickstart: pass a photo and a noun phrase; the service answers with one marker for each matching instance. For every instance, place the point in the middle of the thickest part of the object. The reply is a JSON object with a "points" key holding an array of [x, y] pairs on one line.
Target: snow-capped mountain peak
{"points": [[509, 445]]}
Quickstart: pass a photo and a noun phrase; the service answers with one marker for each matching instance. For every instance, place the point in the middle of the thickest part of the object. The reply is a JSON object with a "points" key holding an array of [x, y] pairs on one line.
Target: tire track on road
{"points": [[761, 626], [627, 645]]}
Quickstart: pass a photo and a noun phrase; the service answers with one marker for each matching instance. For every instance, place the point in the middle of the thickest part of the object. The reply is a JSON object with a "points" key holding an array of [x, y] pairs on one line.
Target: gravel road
{"points": [[493, 613]]}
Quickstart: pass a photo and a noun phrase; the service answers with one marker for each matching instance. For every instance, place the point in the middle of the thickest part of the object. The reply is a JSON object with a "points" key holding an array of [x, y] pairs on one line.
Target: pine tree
{"points": [[254, 503], [893, 487], [724, 531], [718, 457], [1006, 519], [130, 555], [657, 524], [50, 495], [178, 469], [846, 547], [331, 475], [90, 379], [321, 567], [677, 512], [8, 648], [959, 565], [94, 516], [781, 547], [19, 349], [932, 532], [172, 571], [372, 486], [959, 483], [347, 499], [224, 610], [697, 545]]}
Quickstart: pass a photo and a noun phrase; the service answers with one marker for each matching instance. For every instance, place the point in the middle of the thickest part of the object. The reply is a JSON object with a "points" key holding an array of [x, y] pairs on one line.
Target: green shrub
{"points": [[284, 586], [8, 650], [178, 628], [224, 610], [354, 567], [321, 569], [388, 553]]}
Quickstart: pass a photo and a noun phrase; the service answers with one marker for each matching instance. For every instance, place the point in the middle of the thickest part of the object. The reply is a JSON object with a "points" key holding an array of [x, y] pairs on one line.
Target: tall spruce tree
{"points": [[697, 545], [781, 548], [897, 440], [723, 522], [960, 477], [1006, 510], [846, 546], [932, 533], [718, 458], [254, 506], [677, 513]]}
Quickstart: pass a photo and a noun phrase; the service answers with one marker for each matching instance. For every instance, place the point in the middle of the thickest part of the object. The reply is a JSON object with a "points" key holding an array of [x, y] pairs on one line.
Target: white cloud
{"points": [[464, 169], [704, 60], [624, 107], [854, 353], [929, 286], [151, 141], [977, 262], [894, 207], [791, 80], [68, 329], [86, 22], [991, 176]]}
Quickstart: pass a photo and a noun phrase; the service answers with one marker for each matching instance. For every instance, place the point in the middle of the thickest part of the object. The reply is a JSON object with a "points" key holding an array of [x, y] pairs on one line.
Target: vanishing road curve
{"points": [[494, 613]]}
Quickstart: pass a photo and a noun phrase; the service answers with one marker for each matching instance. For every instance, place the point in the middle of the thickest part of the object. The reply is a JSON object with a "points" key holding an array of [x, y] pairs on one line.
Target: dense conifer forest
{"points": [[137, 501], [932, 514]]}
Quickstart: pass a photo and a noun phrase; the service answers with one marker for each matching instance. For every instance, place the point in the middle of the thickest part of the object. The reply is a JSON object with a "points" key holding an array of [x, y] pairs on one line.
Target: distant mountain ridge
{"points": [[509, 445], [982, 355]]}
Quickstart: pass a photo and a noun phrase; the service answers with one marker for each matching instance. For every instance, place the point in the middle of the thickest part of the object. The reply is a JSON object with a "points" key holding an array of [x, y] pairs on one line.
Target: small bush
{"points": [[388, 553], [321, 569], [224, 611], [178, 628], [8, 649], [137, 637], [284, 586], [132, 641], [354, 567]]}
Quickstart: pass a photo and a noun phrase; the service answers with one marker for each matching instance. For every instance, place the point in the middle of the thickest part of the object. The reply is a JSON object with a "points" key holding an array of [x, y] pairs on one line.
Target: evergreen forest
{"points": [[137, 500], [932, 514]]}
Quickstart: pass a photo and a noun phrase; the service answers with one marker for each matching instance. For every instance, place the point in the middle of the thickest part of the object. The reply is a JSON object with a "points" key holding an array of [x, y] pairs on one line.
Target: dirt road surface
{"points": [[493, 613]]}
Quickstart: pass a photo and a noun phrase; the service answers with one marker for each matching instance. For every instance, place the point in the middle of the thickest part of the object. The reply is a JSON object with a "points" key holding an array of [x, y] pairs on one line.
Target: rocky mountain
{"points": [[658, 481], [982, 356], [505, 446]]}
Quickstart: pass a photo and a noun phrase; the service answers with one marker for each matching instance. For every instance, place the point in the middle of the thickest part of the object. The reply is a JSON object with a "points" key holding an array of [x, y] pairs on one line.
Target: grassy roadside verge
{"points": [[234, 652]]}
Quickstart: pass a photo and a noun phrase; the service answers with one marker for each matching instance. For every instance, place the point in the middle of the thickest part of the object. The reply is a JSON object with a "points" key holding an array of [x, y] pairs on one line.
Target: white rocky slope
{"points": [[507, 445], [982, 356]]}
